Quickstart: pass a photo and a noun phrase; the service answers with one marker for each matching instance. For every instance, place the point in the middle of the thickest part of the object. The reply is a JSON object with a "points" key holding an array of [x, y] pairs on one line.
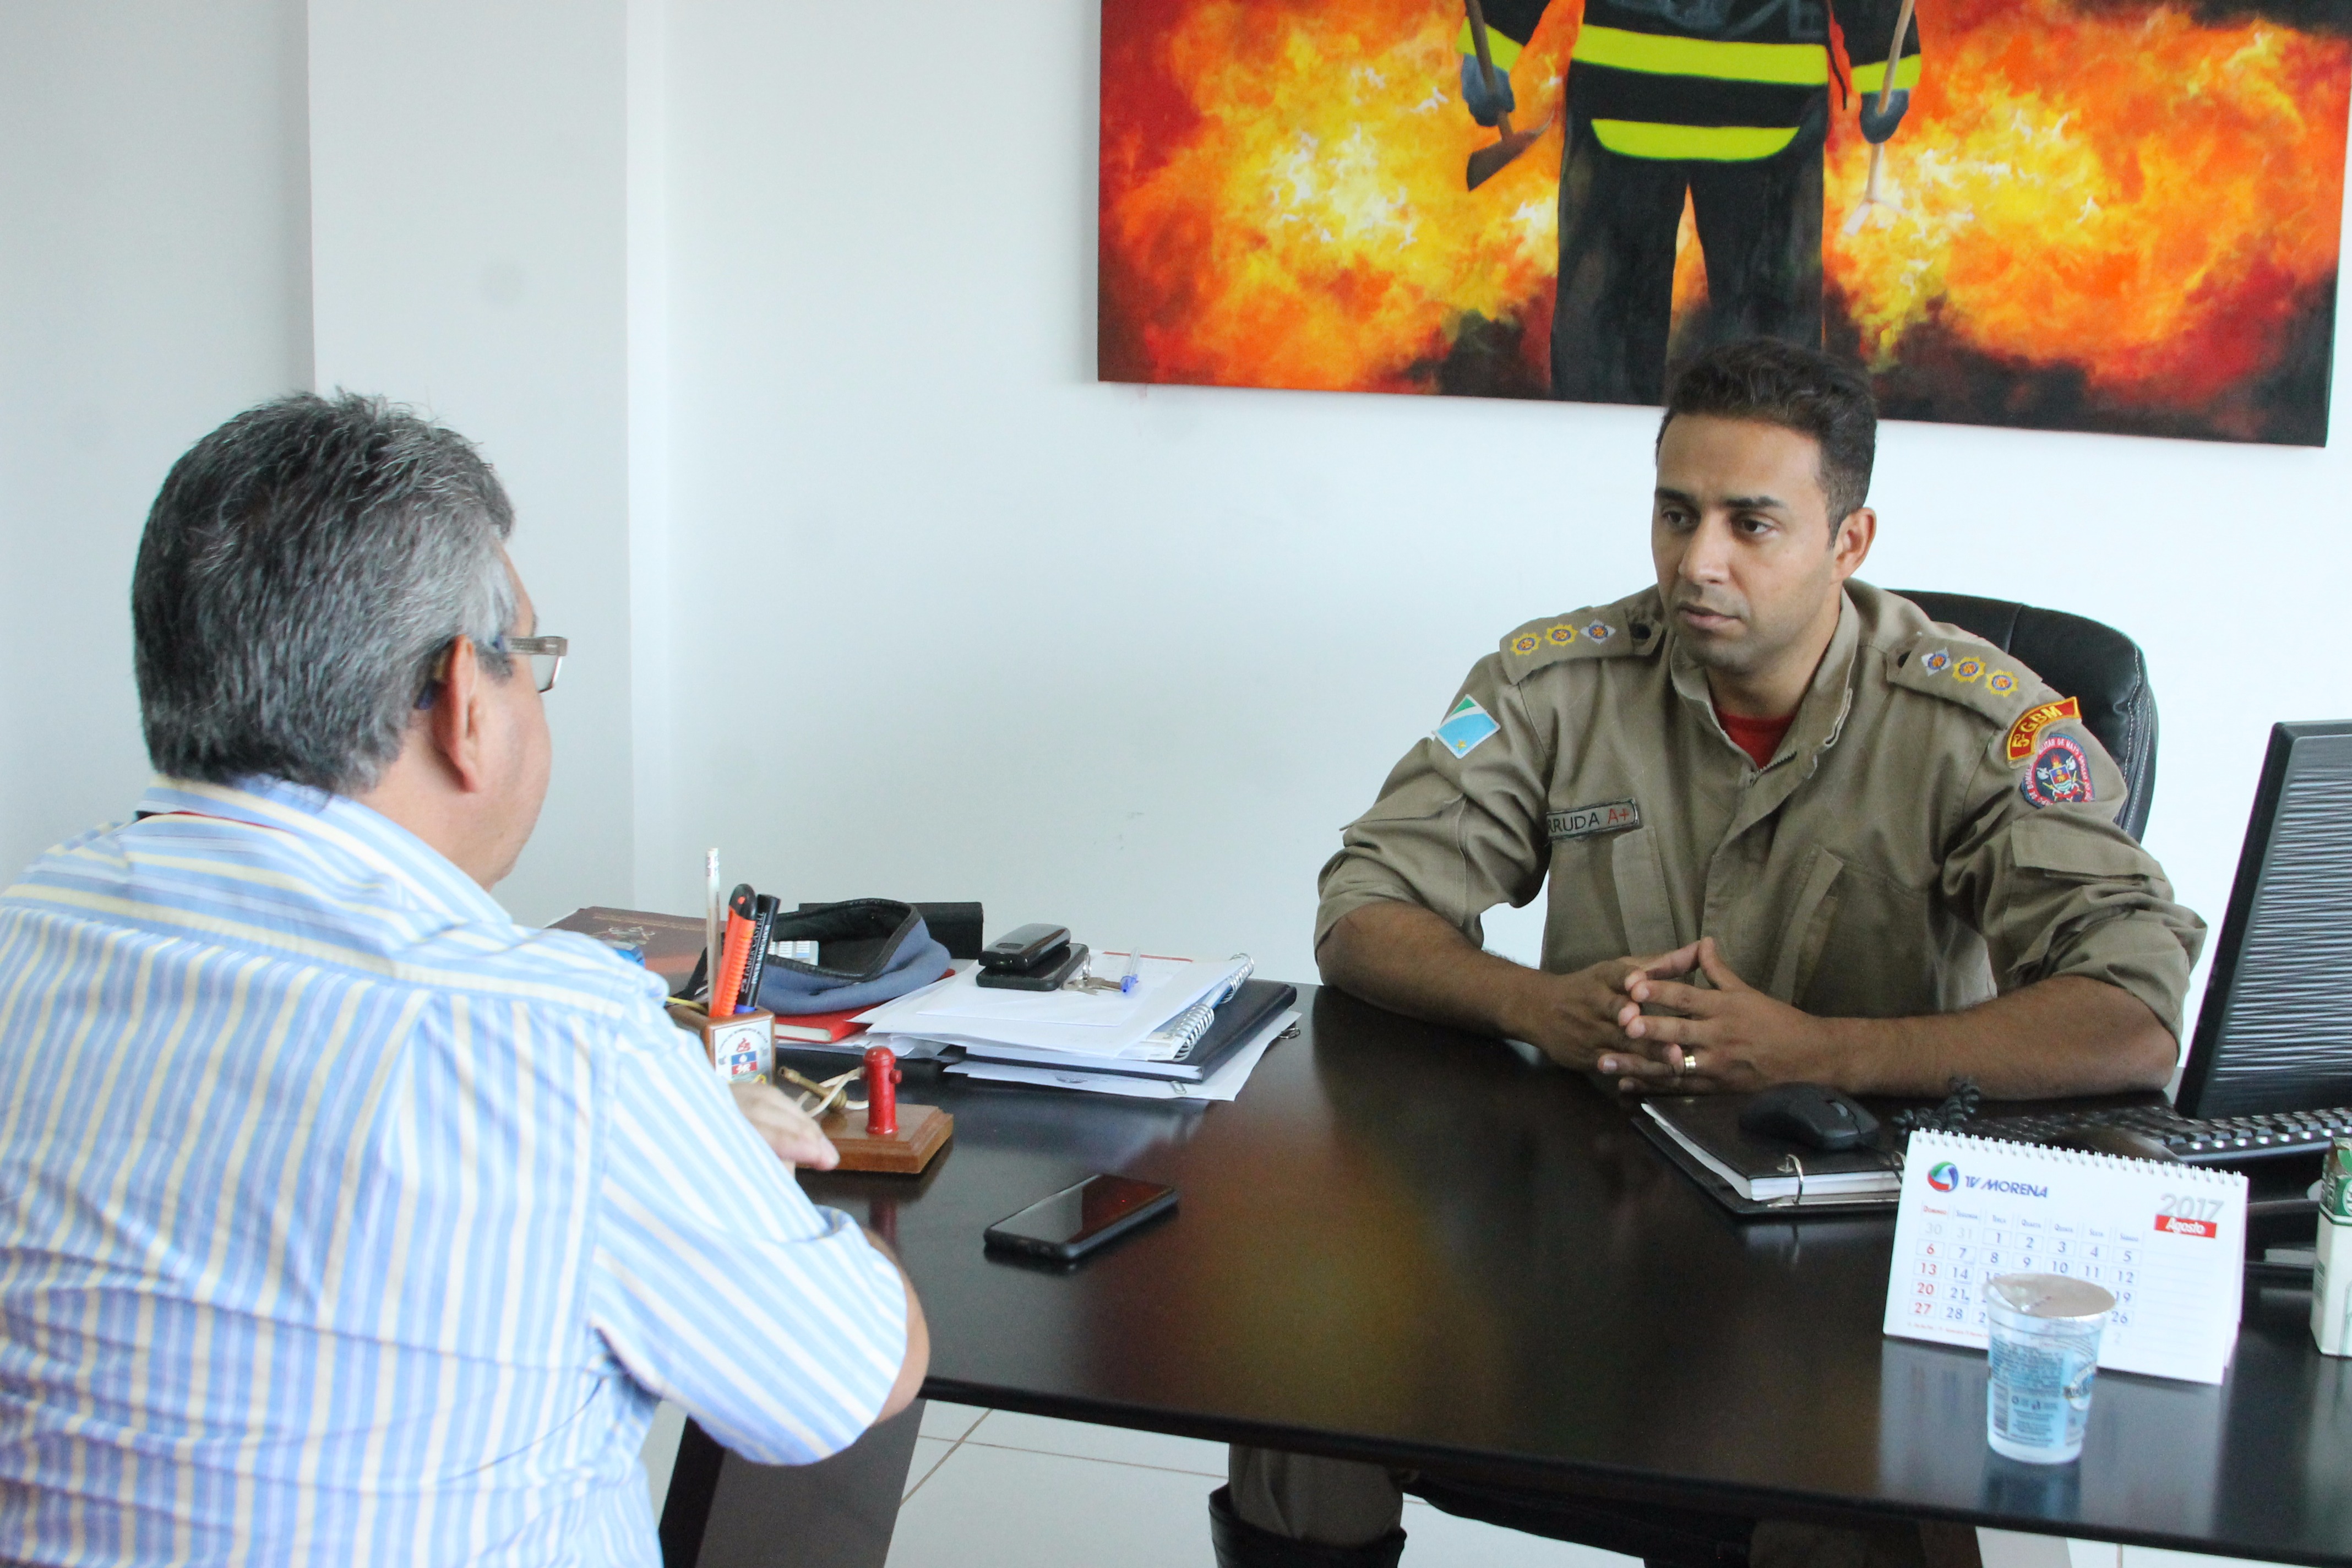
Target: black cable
{"points": [[1957, 1108]]}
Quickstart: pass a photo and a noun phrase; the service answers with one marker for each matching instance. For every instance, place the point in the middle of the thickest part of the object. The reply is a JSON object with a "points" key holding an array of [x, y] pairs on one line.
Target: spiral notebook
{"points": [[2170, 1241], [1179, 1034]]}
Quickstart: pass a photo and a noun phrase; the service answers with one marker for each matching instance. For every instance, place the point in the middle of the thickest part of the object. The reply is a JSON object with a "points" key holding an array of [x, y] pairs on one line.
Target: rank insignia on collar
{"points": [[2061, 774], [1526, 644], [1938, 662], [1968, 669], [2035, 721], [1560, 635], [1599, 631], [2001, 683], [1466, 727]]}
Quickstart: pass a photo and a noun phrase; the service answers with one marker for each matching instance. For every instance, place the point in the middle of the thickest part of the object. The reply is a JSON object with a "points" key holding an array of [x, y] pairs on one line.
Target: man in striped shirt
{"points": [[343, 1219]]}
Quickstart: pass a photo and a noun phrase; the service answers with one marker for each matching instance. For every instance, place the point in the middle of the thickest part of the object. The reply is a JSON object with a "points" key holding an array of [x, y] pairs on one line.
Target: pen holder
{"points": [[741, 1046]]}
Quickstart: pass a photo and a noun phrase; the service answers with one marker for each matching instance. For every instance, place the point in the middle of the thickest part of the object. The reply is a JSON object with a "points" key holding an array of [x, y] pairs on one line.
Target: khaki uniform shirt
{"points": [[1937, 827]]}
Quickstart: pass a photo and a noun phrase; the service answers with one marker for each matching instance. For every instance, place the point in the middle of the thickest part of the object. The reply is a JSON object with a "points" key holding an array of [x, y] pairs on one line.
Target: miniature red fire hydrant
{"points": [[881, 1092]]}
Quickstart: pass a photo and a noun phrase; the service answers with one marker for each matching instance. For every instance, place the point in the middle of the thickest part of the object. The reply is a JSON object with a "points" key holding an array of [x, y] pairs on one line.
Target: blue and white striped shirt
{"points": [[343, 1220]]}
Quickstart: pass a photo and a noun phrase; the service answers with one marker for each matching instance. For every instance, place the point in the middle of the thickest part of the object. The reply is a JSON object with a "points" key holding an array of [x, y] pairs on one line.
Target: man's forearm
{"points": [[2067, 1036], [918, 1363], [1413, 961]]}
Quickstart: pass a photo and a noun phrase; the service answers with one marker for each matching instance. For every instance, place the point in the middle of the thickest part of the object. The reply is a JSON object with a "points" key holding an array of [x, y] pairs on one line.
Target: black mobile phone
{"points": [[1022, 946], [1078, 1219], [1056, 966]]}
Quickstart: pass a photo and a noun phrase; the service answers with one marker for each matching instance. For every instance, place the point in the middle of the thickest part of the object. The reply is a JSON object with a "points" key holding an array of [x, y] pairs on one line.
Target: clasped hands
{"points": [[1726, 1036]]}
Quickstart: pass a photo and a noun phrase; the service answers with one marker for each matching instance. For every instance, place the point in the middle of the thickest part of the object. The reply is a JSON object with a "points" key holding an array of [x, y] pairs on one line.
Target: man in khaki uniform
{"points": [[1794, 830]]}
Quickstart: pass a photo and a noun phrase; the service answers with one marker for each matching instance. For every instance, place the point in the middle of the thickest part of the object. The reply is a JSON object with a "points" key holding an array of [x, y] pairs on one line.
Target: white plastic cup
{"points": [[2043, 1331]]}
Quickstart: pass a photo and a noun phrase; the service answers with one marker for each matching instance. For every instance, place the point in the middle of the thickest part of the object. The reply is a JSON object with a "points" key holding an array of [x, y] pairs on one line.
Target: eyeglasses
{"points": [[546, 655]]}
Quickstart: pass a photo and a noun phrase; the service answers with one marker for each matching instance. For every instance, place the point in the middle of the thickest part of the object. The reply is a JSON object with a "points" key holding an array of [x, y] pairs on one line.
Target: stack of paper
{"points": [[1193, 1029], [1062, 1025], [1223, 1084]]}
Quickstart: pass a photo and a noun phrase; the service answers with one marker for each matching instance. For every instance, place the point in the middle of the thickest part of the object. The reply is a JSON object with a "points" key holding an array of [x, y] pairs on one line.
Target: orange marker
{"points": [[729, 978]]}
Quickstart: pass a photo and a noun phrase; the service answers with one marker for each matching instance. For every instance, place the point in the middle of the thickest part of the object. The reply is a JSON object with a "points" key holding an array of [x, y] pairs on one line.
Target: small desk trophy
{"points": [[897, 1138]]}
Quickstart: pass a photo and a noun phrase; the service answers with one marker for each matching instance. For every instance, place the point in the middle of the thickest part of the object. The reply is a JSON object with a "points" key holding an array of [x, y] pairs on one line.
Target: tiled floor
{"points": [[990, 1488]]}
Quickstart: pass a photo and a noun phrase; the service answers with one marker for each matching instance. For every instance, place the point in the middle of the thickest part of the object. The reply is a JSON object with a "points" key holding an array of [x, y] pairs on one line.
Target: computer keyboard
{"points": [[2221, 1140]]}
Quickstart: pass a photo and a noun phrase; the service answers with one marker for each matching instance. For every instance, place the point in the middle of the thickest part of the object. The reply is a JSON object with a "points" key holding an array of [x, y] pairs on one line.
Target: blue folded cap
{"points": [[869, 950]]}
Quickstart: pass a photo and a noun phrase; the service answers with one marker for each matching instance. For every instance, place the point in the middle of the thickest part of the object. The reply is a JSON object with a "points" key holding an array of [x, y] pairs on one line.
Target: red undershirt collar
{"points": [[1760, 738]]}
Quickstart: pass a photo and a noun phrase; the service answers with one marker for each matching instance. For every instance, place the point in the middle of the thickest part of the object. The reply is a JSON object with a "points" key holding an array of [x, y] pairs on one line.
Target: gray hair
{"points": [[303, 569]]}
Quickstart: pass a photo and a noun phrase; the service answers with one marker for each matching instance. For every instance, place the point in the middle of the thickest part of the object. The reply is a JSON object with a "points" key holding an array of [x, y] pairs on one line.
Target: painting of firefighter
{"points": [[2076, 215]]}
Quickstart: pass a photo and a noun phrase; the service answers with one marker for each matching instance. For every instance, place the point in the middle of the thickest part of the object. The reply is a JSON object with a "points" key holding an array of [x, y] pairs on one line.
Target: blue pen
{"points": [[1134, 975]]}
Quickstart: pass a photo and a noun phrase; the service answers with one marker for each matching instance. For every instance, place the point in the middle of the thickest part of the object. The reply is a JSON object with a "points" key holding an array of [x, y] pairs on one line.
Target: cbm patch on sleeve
{"points": [[2061, 774], [1467, 725]]}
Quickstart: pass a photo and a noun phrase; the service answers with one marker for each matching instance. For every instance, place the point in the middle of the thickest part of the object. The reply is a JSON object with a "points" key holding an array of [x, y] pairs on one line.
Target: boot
{"points": [[1241, 1545]]}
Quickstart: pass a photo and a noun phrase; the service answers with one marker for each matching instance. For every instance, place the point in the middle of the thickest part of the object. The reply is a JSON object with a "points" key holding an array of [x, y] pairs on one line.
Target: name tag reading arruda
{"points": [[1584, 821]]}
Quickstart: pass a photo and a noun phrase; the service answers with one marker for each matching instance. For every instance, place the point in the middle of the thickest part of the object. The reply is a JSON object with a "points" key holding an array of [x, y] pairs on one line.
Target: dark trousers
{"points": [[1760, 223]]}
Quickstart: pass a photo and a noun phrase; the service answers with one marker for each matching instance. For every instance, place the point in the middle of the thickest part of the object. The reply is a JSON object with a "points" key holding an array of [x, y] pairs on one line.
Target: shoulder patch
{"points": [[1622, 630], [1465, 726], [2060, 775], [2033, 722], [1975, 675]]}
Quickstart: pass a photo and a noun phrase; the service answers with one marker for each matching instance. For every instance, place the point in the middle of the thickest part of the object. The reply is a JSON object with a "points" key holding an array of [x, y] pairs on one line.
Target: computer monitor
{"points": [[2276, 1031]]}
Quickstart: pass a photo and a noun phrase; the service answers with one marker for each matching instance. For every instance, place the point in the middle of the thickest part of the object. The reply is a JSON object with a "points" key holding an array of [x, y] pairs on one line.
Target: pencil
{"points": [[711, 910]]}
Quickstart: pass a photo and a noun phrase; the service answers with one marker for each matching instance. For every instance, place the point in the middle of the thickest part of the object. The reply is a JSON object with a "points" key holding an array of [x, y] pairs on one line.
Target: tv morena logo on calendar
{"points": [[1945, 1177]]}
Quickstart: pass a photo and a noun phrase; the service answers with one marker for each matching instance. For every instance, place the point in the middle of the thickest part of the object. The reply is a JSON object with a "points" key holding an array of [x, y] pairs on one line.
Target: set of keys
{"points": [[1086, 979]]}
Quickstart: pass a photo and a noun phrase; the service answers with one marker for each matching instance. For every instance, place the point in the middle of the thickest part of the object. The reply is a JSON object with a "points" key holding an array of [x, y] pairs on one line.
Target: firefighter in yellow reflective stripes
{"points": [[1726, 100]]}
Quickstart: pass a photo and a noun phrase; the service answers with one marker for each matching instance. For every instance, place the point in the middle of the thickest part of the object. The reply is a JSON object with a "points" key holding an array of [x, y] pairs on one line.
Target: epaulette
{"points": [[1605, 631], [1975, 675]]}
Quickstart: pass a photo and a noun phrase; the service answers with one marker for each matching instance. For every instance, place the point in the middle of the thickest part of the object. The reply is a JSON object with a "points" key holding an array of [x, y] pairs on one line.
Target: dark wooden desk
{"points": [[1413, 1245]]}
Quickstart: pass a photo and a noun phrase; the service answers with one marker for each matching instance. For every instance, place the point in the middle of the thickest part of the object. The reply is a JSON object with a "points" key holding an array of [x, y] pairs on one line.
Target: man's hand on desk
{"points": [[1411, 960], [1732, 1038], [1576, 1019], [786, 1129]]}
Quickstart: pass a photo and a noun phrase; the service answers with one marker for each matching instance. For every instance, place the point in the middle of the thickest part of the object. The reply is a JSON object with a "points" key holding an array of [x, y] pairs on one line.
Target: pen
{"points": [[1134, 975]]}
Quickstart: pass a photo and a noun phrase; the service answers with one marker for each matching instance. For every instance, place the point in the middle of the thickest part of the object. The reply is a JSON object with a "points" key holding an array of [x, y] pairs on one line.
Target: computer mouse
{"points": [[2120, 1141], [1813, 1114]]}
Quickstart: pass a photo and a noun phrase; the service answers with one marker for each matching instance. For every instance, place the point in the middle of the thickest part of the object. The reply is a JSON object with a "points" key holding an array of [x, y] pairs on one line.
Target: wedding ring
{"points": [[1690, 1062]]}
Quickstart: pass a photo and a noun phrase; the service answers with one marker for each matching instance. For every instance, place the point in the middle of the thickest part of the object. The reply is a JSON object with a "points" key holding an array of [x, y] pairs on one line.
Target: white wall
{"points": [[1129, 657], [154, 281], [469, 252]]}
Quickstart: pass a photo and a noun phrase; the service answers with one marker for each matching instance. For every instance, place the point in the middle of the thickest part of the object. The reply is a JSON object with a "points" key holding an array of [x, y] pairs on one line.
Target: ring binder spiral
{"points": [[1186, 1028], [2168, 1241]]}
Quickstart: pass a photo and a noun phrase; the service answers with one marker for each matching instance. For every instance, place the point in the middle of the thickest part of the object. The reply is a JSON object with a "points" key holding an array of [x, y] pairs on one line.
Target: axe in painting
{"points": [[1872, 194], [1487, 162]]}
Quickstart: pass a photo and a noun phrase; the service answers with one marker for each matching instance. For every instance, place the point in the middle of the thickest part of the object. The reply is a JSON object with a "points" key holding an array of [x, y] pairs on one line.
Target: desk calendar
{"points": [[2169, 1241]]}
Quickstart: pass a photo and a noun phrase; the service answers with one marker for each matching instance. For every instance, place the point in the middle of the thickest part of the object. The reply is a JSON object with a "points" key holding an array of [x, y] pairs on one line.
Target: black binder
{"points": [[1756, 1176]]}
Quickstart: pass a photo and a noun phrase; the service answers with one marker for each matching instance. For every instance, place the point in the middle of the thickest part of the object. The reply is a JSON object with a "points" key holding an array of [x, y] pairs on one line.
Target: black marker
{"points": [[763, 920]]}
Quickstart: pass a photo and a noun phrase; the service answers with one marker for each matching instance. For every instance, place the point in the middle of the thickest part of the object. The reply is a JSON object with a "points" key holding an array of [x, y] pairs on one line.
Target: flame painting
{"points": [[2107, 215]]}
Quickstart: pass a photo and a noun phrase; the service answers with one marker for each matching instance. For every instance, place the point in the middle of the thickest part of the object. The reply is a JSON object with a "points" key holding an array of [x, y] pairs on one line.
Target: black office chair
{"points": [[2097, 664]]}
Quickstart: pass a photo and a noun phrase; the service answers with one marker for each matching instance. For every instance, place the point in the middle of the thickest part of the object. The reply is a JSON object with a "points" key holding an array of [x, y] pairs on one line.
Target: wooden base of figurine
{"points": [[923, 1132]]}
